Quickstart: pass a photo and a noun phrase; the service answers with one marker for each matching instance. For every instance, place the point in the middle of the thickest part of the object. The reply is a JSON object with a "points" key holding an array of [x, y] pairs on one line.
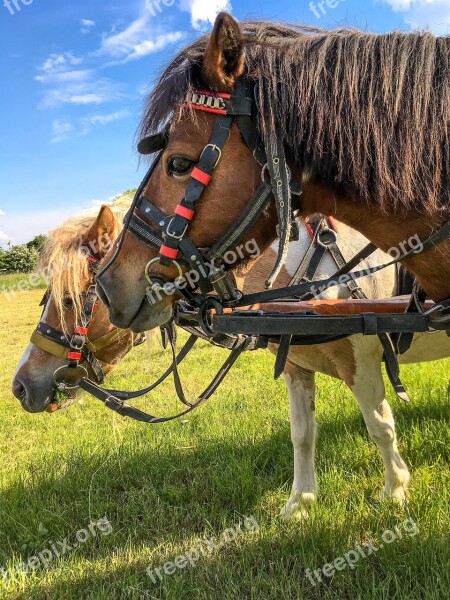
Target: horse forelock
{"points": [[367, 113], [63, 259]]}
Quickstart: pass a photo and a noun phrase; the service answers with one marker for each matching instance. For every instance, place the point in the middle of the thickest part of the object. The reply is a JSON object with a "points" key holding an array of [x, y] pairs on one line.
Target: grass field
{"points": [[164, 489]]}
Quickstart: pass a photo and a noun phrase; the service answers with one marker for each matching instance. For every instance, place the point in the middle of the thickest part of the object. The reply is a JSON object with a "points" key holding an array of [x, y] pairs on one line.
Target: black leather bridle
{"points": [[169, 236], [77, 349]]}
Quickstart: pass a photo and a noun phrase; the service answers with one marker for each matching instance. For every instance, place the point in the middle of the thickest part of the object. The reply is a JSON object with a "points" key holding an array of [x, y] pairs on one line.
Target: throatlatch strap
{"points": [[281, 180]]}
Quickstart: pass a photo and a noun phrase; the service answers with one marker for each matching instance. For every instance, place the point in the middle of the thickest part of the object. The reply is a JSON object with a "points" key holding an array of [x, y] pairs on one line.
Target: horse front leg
{"points": [[301, 389], [368, 388]]}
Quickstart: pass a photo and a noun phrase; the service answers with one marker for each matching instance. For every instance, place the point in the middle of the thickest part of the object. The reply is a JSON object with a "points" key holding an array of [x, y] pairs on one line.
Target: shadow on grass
{"points": [[163, 497], [264, 567]]}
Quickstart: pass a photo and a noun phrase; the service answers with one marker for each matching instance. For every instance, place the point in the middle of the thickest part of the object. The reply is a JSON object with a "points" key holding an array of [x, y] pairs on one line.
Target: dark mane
{"points": [[366, 113]]}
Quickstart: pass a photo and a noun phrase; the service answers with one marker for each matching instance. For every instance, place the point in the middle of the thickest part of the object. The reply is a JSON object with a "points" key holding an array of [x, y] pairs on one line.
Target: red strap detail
{"points": [[333, 224], [169, 252], [74, 355], [92, 259], [95, 307], [201, 176], [215, 111], [182, 211], [310, 230], [81, 330]]}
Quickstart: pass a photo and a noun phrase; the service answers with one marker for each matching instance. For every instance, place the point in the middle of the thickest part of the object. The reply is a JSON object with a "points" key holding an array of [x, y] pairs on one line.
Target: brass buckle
{"points": [[216, 149]]}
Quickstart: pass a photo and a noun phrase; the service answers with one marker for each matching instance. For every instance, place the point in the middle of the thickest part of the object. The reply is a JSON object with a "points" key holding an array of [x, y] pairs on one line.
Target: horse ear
{"points": [[102, 229], [223, 62]]}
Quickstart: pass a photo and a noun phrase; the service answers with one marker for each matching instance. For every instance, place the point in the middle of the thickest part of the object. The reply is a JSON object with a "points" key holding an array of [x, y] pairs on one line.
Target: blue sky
{"points": [[74, 77]]}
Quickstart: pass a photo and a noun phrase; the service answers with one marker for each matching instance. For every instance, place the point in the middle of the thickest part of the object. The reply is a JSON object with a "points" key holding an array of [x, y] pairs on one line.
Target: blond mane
{"points": [[64, 255]]}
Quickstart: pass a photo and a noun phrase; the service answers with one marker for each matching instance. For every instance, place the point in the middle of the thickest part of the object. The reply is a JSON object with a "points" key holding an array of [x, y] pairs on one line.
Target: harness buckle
{"points": [[77, 342], [173, 235], [216, 149]]}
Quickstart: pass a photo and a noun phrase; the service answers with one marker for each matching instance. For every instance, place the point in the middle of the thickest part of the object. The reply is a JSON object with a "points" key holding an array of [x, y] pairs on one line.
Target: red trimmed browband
{"points": [[207, 102], [74, 355], [169, 252]]}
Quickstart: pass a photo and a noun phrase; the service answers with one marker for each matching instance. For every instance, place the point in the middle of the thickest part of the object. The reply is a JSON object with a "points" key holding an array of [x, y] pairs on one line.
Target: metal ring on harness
{"points": [[205, 322], [75, 373], [324, 232], [155, 285]]}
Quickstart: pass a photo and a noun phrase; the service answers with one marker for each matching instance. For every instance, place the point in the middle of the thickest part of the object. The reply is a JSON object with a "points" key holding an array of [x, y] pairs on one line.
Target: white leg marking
{"points": [[370, 393], [301, 389]]}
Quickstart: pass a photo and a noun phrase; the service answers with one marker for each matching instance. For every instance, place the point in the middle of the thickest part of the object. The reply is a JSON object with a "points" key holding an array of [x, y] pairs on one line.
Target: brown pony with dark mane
{"points": [[364, 119]]}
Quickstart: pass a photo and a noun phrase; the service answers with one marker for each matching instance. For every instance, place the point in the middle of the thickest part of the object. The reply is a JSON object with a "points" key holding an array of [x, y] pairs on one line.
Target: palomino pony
{"points": [[67, 258], [356, 361]]}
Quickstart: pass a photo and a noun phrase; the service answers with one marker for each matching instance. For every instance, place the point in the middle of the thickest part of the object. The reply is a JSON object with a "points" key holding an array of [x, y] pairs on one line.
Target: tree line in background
{"points": [[22, 258]]}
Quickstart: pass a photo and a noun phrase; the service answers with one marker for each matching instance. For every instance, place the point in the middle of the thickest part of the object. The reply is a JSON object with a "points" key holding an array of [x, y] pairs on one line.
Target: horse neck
{"points": [[389, 233], [350, 242]]}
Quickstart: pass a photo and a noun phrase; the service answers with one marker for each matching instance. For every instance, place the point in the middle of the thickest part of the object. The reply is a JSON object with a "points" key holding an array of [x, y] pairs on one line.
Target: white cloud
{"points": [[137, 40], [64, 129], [55, 77], [87, 25], [433, 14], [105, 119], [90, 91], [65, 85], [56, 63], [60, 130], [204, 12], [2, 213], [24, 225]]}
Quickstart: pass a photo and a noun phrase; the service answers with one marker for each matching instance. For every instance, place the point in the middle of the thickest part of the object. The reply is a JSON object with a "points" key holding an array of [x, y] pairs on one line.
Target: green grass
{"points": [[163, 488], [10, 281]]}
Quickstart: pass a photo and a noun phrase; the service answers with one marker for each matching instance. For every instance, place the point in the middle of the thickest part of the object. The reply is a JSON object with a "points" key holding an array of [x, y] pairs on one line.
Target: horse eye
{"points": [[68, 302], [179, 165]]}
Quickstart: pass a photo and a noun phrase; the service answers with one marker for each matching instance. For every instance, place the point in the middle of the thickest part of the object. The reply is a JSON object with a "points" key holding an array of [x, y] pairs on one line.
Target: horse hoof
{"points": [[297, 508], [396, 495]]}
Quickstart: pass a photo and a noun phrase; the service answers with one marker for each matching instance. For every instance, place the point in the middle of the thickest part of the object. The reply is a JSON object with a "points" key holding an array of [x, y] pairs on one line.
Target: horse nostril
{"points": [[19, 391]]}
